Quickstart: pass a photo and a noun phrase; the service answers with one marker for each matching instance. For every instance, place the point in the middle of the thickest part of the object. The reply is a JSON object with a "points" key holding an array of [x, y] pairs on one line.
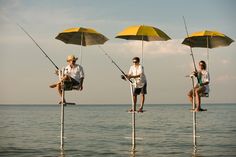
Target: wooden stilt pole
{"points": [[133, 120], [62, 110], [194, 118]]}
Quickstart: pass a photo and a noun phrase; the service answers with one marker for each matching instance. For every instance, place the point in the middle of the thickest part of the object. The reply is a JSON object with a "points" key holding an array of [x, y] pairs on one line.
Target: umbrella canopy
{"points": [[81, 36], [142, 32], [207, 39]]}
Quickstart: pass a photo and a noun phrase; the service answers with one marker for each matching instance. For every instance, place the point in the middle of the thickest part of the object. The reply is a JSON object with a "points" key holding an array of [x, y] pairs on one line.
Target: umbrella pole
{"points": [[208, 62], [81, 52], [194, 118], [142, 49], [81, 55], [133, 120]]}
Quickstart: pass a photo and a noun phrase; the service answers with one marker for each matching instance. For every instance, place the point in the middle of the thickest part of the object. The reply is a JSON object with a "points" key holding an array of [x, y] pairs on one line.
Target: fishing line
{"points": [[110, 58], [37, 45], [12, 21]]}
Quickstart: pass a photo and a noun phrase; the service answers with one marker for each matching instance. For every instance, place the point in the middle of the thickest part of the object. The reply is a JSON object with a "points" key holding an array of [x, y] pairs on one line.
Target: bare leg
{"points": [[135, 101], [190, 97], [60, 92], [142, 102], [56, 84], [198, 100], [59, 89]]}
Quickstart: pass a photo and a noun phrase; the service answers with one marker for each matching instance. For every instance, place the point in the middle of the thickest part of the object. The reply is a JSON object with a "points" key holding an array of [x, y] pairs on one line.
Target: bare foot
{"points": [[53, 85], [131, 110], [202, 109], [60, 102], [140, 110], [199, 110]]}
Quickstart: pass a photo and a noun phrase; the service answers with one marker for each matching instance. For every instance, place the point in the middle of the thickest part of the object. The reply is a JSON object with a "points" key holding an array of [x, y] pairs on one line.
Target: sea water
{"points": [[105, 130]]}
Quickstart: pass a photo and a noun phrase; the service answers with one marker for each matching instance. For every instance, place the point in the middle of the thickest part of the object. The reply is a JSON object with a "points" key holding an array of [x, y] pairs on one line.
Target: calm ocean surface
{"points": [[105, 130]]}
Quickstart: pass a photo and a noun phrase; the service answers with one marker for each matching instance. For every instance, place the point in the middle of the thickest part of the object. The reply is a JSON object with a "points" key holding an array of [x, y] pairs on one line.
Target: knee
{"points": [[59, 86], [190, 94], [197, 92]]}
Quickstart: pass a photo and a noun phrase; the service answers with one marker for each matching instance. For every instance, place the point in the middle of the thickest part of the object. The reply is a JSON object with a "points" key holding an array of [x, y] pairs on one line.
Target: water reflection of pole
{"points": [[133, 120], [194, 117]]}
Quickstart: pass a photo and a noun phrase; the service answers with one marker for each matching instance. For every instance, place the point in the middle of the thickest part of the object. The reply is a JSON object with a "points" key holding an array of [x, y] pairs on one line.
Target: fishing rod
{"points": [[109, 57], [37, 45], [191, 50], [193, 96]]}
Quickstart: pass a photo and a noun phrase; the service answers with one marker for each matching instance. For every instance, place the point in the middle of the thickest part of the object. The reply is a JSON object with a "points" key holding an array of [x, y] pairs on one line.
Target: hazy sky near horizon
{"points": [[26, 73]]}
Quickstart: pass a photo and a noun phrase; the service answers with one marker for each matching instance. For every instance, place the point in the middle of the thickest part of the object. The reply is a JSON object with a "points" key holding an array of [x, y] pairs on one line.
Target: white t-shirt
{"points": [[76, 73], [139, 70], [205, 77]]}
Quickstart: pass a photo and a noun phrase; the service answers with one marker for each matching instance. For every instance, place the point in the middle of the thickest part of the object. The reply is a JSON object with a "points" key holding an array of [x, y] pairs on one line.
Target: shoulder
{"points": [[132, 67], [79, 66], [66, 67], [141, 67], [204, 71]]}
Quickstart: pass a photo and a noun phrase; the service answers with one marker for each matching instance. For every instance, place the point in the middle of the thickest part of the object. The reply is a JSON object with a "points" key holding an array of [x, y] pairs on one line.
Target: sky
{"points": [[26, 73]]}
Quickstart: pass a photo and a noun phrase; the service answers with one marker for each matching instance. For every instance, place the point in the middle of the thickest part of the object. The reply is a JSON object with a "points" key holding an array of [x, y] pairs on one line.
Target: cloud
{"points": [[225, 61], [151, 49], [226, 78]]}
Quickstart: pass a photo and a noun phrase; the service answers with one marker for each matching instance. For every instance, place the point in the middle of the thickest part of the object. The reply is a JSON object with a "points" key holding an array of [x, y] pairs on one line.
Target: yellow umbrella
{"points": [[81, 36], [144, 33], [207, 39]]}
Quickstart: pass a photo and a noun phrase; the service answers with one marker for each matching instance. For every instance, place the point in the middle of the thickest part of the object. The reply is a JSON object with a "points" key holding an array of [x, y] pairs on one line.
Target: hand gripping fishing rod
{"points": [[37, 45], [109, 57]]}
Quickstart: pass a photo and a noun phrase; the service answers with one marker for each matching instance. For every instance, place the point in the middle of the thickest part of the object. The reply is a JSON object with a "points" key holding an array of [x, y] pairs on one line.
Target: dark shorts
{"points": [[70, 83], [142, 90]]}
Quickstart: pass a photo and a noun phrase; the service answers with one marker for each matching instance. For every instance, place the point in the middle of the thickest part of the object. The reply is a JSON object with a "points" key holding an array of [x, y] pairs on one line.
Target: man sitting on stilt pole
{"points": [[202, 88], [73, 76]]}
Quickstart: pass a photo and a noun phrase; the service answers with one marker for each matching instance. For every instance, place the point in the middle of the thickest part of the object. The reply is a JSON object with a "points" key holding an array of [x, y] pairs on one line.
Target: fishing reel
{"points": [[123, 77]]}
